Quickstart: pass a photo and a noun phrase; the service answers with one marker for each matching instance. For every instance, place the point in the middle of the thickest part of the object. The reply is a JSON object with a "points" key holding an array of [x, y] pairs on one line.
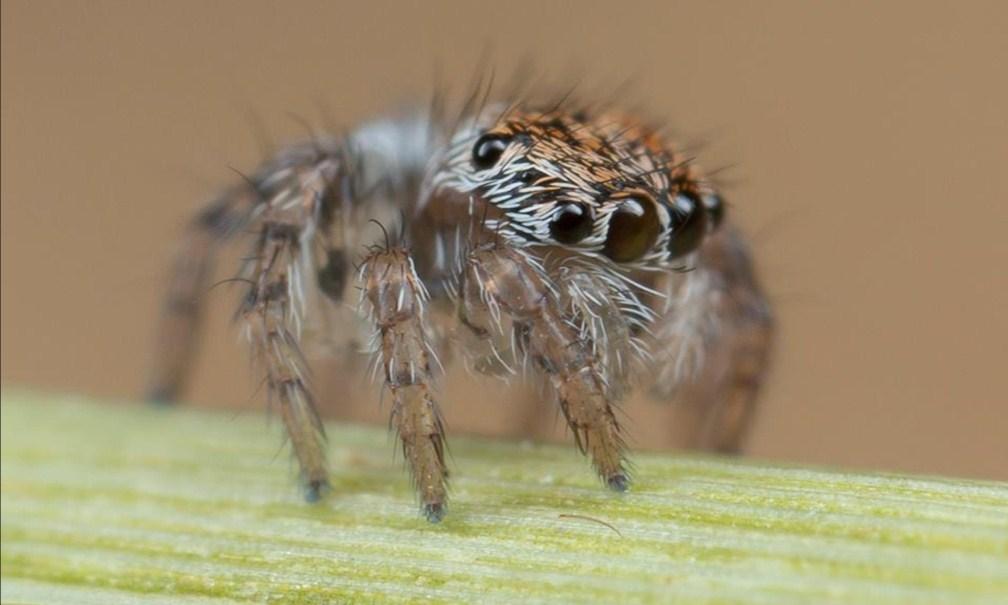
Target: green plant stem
{"points": [[119, 503]]}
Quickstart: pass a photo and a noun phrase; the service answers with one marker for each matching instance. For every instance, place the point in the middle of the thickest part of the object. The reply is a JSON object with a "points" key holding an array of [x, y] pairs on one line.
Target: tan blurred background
{"points": [[868, 145]]}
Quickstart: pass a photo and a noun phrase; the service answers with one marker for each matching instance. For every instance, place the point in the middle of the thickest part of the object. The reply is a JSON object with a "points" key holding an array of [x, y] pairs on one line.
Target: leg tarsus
{"points": [[618, 482], [161, 395], [434, 511], [315, 490]]}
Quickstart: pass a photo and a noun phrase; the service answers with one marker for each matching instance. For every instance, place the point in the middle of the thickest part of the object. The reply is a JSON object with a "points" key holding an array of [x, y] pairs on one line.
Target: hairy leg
{"points": [[374, 168], [500, 282], [181, 311], [302, 178], [287, 204], [713, 342], [609, 313], [304, 208], [271, 314], [394, 297]]}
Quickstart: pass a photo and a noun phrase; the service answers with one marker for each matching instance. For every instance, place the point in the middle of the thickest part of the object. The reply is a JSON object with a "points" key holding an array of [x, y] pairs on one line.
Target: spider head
{"points": [[600, 185]]}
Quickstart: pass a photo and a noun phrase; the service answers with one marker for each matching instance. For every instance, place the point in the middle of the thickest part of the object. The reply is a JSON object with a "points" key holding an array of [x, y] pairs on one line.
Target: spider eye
{"points": [[571, 223], [633, 230], [530, 176], [488, 150], [714, 206], [689, 224]]}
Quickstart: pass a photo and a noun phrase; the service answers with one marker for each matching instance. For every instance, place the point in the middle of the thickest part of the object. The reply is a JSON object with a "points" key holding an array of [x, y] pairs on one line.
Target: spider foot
{"points": [[434, 511], [618, 482], [315, 490]]}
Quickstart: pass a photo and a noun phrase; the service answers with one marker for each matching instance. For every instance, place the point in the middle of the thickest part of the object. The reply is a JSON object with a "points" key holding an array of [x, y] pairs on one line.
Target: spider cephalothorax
{"points": [[603, 185], [575, 243]]}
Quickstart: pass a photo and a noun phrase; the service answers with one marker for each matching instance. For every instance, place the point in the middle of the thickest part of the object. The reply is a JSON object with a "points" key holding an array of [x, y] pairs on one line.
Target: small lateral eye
{"points": [[571, 223], [714, 205], [633, 230], [688, 223], [488, 150], [530, 176]]}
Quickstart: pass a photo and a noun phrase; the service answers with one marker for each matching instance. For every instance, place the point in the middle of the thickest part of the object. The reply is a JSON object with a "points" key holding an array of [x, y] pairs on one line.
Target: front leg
{"points": [[395, 297], [500, 280]]}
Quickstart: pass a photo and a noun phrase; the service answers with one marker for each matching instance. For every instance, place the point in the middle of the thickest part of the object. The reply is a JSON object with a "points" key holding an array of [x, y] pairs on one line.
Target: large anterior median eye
{"points": [[633, 229], [689, 224], [488, 150]]}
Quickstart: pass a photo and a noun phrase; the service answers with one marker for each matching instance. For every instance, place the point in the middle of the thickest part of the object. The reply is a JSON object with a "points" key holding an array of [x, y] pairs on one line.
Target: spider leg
{"points": [[395, 297], [286, 205], [306, 202], [611, 316], [331, 176], [190, 271], [714, 342], [503, 282], [271, 317]]}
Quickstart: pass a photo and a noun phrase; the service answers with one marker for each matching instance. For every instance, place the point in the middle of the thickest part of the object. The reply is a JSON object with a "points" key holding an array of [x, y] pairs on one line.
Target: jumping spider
{"points": [[572, 240]]}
